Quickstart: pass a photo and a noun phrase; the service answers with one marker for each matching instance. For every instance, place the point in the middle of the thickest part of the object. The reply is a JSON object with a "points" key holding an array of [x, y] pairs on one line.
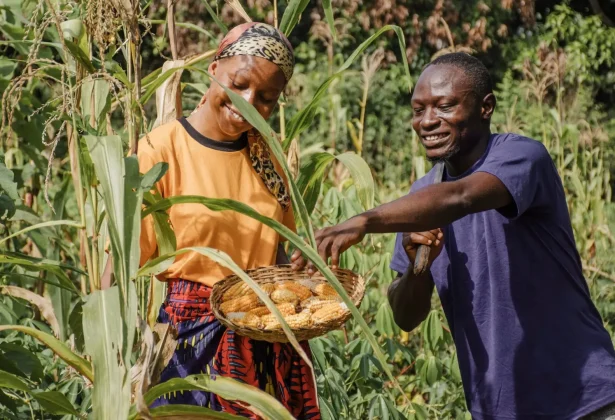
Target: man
{"points": [[530, 342]]}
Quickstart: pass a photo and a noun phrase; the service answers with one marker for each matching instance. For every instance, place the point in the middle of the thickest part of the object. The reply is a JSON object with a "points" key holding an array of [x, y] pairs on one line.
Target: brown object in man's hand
{"points": [[422, 254]]}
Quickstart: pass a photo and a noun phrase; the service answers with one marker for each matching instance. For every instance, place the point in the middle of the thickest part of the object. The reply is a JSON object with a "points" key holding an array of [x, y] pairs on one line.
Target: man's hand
{"points": [[433, 239], [331, 242]]}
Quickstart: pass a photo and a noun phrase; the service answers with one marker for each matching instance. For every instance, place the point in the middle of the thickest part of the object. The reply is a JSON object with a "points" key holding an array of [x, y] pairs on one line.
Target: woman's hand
{"points": [[432, 238]]}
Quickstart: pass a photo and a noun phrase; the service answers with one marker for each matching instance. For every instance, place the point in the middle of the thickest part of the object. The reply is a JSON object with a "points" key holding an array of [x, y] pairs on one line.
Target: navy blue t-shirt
{"points": [[530, 342]]}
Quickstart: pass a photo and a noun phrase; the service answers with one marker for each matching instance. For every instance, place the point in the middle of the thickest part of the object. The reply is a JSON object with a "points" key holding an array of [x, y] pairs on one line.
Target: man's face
{"points": [[448, 116]]}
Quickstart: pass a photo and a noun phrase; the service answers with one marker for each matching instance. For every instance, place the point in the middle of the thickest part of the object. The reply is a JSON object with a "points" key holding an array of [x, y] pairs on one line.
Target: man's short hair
{"points": [[474, 69]]}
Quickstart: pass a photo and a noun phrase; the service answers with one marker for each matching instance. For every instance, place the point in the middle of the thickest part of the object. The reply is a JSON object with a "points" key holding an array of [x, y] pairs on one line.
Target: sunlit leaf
{"points": [[362, 177], [292, 14], [326, 5], [108, 340], [226, 388]]}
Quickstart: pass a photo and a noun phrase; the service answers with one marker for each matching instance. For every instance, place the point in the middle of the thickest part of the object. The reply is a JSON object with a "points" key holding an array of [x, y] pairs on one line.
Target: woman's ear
{"points": [[212, 69]]}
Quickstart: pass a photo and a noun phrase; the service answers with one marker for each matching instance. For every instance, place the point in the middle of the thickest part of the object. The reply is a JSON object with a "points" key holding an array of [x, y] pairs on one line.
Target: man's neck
{"points": [[463, 161]]}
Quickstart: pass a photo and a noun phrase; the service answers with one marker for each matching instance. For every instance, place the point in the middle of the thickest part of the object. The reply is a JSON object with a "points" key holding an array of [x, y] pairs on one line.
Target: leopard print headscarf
{"points": [[261, 40]]}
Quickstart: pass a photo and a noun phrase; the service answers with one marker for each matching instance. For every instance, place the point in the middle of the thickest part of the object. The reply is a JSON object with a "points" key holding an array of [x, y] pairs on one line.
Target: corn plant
{"points": [[110, 192]]}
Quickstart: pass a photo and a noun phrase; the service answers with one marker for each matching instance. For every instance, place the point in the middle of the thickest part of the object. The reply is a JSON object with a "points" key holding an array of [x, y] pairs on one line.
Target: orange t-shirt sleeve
{"points": [[147, 241]]}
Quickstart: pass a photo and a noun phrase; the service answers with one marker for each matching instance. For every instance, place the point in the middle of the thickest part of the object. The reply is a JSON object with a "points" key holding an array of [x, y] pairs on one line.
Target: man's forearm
{"points": [[410, 298], [429, 208]]}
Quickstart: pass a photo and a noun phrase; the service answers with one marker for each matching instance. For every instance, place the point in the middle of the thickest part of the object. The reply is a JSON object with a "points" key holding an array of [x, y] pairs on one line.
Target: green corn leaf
{"points": [[190, 412], [154, 175], [326, 5], [303, 119], [224, 260], [229, 389], [308, 252], [8, 380], [109, 334], [80, 56], [151, 77], [41, 226], [310, 178], [292, 14], [43, 265], [95, 100], [59, 348], [54, 402], [120, 186], [362, 177], [215, 17], [311, 175], [187, 25], [155, 79], [150, 88]]}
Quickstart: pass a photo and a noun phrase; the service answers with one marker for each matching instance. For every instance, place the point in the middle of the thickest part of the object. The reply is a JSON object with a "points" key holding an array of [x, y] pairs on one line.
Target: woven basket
{"points": [[352, 283]]}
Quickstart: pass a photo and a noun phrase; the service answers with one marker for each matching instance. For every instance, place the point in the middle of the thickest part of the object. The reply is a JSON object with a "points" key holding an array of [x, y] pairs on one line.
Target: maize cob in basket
{"points": [[309, 305]]}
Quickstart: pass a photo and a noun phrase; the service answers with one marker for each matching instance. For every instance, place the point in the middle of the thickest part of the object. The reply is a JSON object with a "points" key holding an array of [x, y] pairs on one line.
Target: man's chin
{"points": [[442, 156]]}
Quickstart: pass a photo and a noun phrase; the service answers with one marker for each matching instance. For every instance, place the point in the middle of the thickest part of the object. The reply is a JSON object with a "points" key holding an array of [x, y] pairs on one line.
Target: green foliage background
{"points": [[554, 68]]}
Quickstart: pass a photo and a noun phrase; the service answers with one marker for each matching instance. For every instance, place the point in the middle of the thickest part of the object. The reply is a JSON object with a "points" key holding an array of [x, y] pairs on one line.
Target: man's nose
{"points": [[429, 120]]}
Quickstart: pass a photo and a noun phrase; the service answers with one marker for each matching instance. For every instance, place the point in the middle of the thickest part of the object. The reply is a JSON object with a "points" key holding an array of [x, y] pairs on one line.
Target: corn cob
{"points": [[326, 291], [329, 312], [281, 296], [301, 320], [286, 308], [270, 322], [315, 303], [235, 316], [243, 303], [302, 292], [250, 320], [268, 287], [238, 289], [309, 283]]}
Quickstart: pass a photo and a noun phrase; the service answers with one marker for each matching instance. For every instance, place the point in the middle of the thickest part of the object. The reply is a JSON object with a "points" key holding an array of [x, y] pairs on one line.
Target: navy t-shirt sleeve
{"points": [[523, 166]]}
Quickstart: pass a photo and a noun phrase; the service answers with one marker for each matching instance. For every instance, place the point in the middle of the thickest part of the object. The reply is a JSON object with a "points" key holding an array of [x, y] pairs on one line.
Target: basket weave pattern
{"points": [[352, 283]]}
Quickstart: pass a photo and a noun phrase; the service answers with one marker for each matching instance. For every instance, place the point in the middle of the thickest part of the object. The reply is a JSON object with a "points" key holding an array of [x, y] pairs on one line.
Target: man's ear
{"points": [[488, 106]]}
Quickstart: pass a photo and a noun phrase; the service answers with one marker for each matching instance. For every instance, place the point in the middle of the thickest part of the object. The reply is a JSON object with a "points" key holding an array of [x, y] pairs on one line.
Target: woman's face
{"points": [[257, 80]]}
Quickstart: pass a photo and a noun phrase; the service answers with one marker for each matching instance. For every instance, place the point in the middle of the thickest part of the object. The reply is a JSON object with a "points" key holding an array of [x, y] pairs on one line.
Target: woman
{"points": [[215, 153]]}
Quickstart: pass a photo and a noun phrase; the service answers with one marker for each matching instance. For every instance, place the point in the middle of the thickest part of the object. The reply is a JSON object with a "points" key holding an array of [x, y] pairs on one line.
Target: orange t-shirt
{"points": [[201, 166]]}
